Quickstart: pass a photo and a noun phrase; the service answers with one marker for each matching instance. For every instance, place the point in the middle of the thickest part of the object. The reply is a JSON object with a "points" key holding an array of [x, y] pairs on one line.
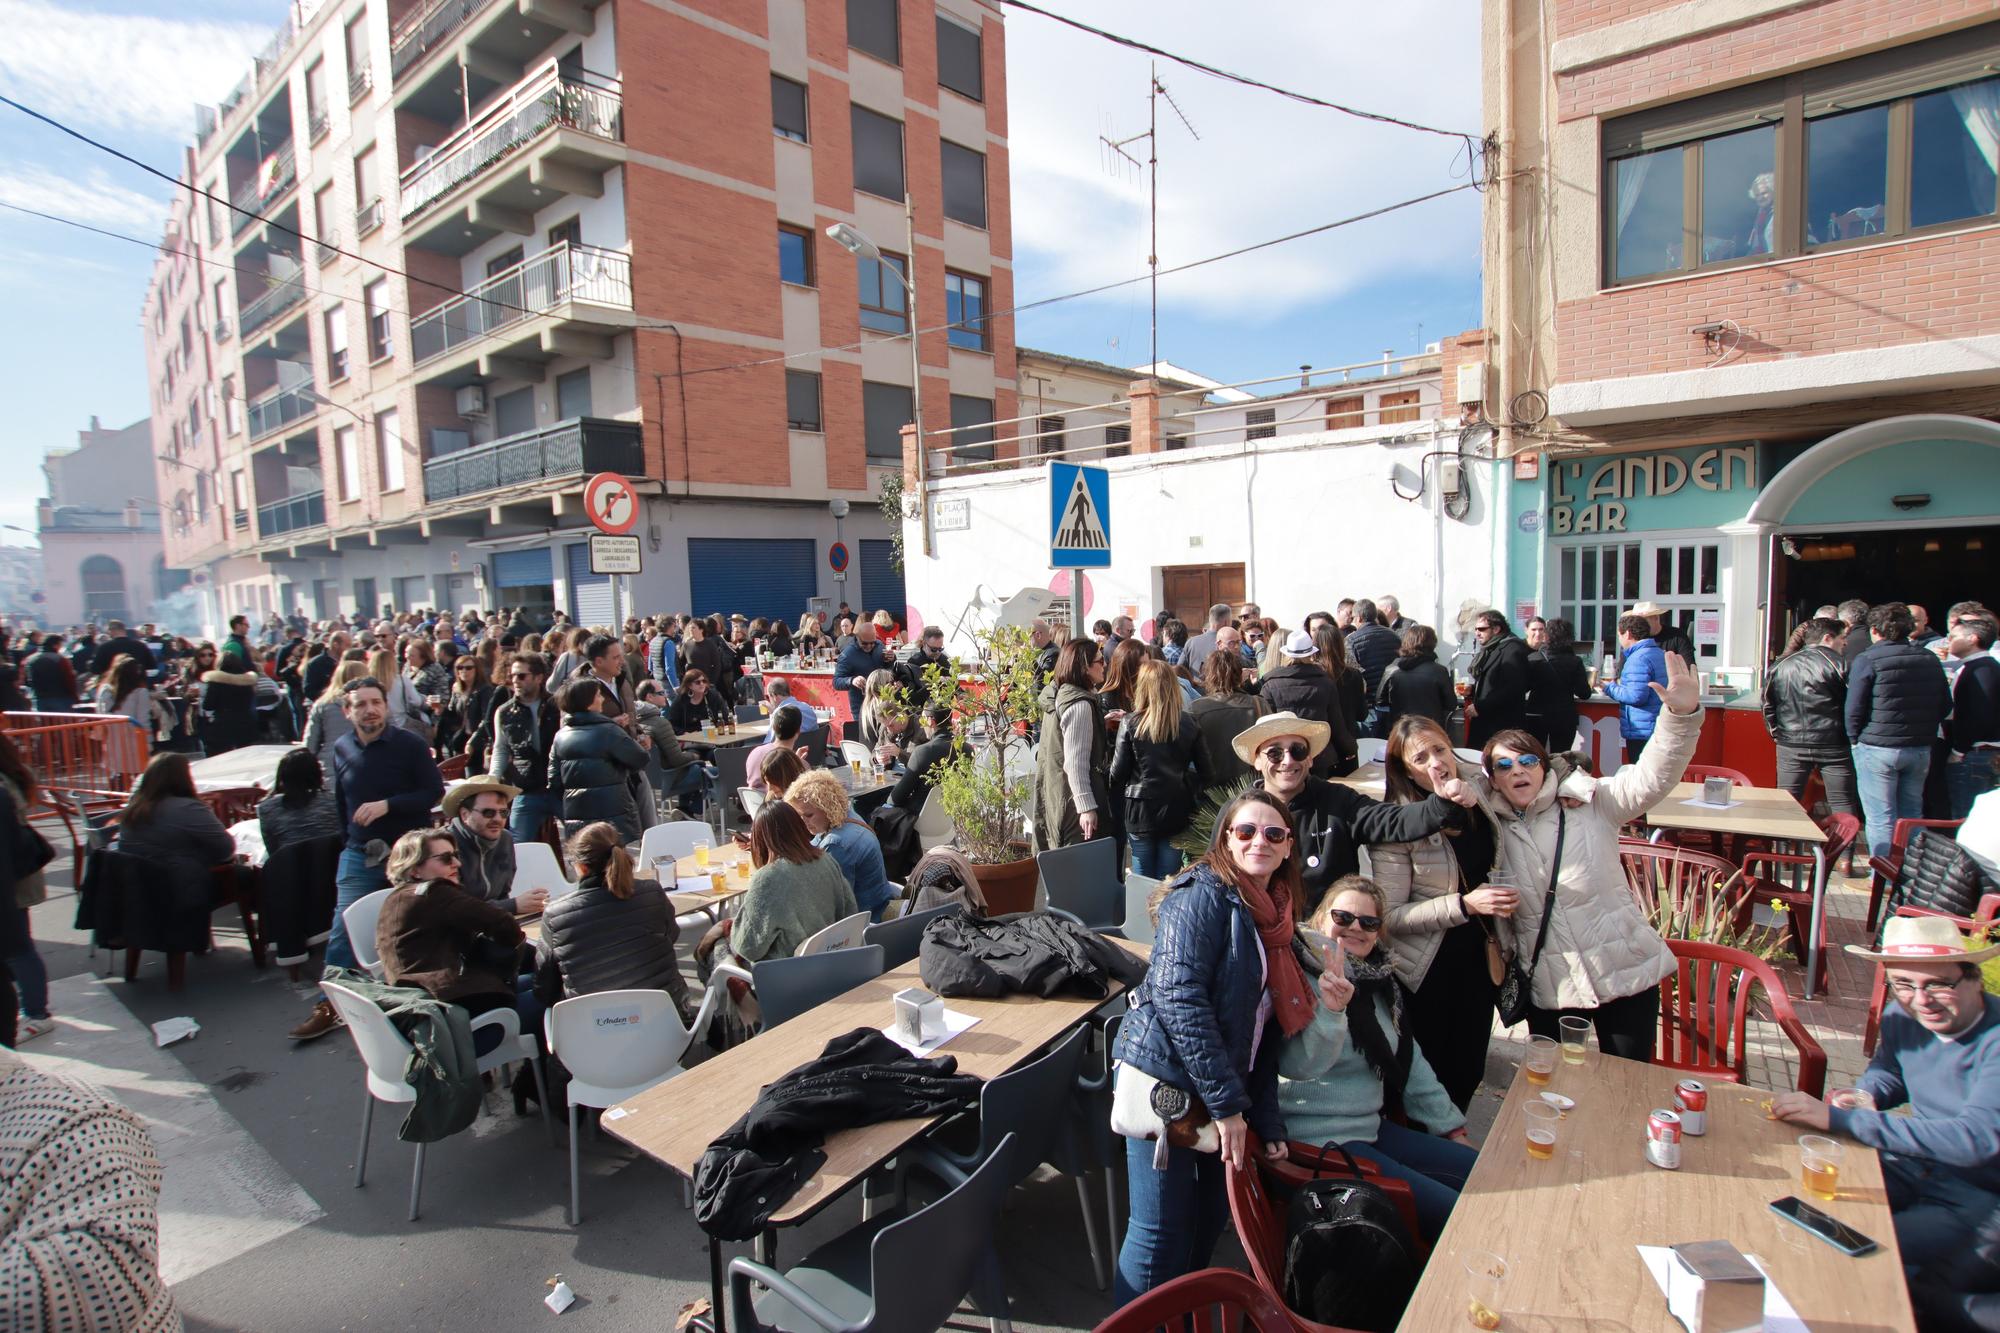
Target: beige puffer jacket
{"points": [[1600, 946]]}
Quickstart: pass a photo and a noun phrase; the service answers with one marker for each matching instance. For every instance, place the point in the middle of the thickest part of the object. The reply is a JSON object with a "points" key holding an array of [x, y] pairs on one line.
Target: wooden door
{"points": [[1189, 590]]}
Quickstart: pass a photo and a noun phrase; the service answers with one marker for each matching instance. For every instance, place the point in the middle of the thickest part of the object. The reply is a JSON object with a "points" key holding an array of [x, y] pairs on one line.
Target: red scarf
{"points": [[1291, 994]]}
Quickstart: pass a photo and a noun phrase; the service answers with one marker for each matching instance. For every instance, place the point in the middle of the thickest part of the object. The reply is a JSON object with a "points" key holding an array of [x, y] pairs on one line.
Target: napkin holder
{"points": [[919, 1015], [1712, 1288]]}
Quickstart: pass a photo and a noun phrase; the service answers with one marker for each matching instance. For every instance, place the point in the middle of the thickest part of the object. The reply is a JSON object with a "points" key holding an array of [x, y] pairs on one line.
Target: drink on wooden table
{"points": [[1819, 1165], [1691, 1100], [1541, 1060], [718, 880], [1539, 1120], [1483, 1275], [743, 868], [1575, 1040], [701, 855], [1663, 1139]]}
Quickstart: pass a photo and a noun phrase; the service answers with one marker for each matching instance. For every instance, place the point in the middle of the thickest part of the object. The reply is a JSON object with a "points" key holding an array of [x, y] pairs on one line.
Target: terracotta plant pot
{"points": [[1008, 887]]}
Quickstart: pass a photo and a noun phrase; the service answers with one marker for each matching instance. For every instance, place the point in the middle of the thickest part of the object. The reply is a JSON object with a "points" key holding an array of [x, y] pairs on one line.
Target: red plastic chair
{"points": [[453, 768], [1841, 833], [233, 805], [1214, 1300], [1705, 1006], [1984, 917], [1652, 869], [1883, 870]]}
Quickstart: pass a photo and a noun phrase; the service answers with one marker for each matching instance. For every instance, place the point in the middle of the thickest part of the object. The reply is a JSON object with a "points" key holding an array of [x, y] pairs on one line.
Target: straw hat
{"points": [[470, 788], [1923, 939], [1247, 742], [1647, 609]]}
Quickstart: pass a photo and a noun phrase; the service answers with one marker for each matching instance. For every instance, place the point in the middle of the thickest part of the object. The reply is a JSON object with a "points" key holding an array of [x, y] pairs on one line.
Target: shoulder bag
{"points": [[1517, 991], [1496, 953]]}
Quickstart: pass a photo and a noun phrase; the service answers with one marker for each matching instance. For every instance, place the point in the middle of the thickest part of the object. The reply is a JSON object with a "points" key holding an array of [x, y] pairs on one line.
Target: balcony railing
{"points": [[307, 510], [287, 293], [426, 29], [240, 519], [318, 122], [359, 82], [222, 330], [277, 173], [547, 97], [368, 217], [326, 250], [278, 409], [533, 287], [567, 449]]}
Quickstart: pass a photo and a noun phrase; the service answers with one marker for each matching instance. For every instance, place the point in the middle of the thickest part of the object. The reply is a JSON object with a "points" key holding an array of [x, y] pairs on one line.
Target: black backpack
{"points": [[1349, 1260]]}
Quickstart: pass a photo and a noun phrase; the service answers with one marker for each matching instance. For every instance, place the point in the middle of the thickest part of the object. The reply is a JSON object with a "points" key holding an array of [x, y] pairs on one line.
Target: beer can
{"points": [[1663, 1139], [1691, 1100]]}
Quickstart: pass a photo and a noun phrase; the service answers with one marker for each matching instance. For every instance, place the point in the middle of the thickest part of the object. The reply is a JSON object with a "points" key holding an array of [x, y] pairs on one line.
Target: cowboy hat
{"points": [[472, 787], [1647, 609], [1924, 939], [1247, 742]]}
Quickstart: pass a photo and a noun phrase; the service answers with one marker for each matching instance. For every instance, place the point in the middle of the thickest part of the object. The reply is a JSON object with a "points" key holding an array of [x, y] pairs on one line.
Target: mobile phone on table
{"points": [[1829, 1229]]}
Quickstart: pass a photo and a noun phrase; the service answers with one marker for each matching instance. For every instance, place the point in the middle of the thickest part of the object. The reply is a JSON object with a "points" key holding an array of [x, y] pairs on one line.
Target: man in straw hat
{"points": [[1939, 1055], [476, 813]]}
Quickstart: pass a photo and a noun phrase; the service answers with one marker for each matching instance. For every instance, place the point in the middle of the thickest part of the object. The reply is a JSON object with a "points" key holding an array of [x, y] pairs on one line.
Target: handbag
{"points": [[1517, 991], [1337, 1229], [1143, 1107], [1496, 953]]}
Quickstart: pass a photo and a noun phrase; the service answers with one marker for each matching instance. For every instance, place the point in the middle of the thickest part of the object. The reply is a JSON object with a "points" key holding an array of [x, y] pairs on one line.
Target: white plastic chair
{"points": [[853, 750], [933, 824], [536, 867], [842, 934], [385, 1053], [1369, 750], [360, 917], [675, 838], [616, 1044], [751, 800]]}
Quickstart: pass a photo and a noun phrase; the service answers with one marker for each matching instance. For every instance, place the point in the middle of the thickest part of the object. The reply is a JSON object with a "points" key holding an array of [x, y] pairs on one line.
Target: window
{"points": [[878, 153], [1847, 174], [802, 400], [1953, 137], [569, 232], [336, 344], [221, 301], [1262, 423], [316, 118], [885, 410], [239, 499], [965, 310], [375, 297], [232, 406], [1117, 441], [357, 57], [347, 461], [788, 109], [795, 256], [884, 300], [958, 58], [974, 445], [367, 187], [871, 27], [194, 417], [1402, 405], [323, 224], [1595, 583], [964, 184], [514, 413], [573, 394], [389, 449], [1049, 438], [1341, 413]]}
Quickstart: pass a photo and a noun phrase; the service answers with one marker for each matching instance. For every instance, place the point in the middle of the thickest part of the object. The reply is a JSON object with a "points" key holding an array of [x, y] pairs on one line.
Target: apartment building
{"points": [[1743, 267], [102, 557], [483, 250]]}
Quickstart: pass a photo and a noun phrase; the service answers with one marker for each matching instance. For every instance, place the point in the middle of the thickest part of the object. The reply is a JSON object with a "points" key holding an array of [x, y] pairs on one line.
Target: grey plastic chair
{"points": [[901, 1272], [1083, 881], [901, 936], [1138, 924], [732, 770], [750, 712], [787, 987]]}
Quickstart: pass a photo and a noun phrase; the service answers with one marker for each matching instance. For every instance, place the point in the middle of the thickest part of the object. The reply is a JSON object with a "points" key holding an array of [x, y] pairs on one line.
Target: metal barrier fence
{"points": [[67, 751]]}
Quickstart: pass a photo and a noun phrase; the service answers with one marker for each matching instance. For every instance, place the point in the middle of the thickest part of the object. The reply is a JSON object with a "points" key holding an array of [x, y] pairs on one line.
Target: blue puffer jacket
{"points": [[1638, 707], [1190, 1020]]}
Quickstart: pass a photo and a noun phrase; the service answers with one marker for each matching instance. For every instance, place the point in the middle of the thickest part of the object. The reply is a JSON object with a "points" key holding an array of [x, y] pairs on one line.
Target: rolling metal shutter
{"points": [[881, 581], [590, 599], [773, 577], [523, 569]]}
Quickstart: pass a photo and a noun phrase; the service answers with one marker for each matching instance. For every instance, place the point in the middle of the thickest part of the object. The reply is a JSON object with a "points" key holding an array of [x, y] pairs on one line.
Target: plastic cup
{"points": [[1575, 1040], [856, 766], [1484, 1275], [1539, 1120], [743, 868], [701, 855], [1819, 1165], [1541, 1060], [718, 879]]}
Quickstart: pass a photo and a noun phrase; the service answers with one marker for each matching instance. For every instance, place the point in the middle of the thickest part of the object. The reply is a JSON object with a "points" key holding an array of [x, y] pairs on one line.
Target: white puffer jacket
{"points": [[1600, 947]]}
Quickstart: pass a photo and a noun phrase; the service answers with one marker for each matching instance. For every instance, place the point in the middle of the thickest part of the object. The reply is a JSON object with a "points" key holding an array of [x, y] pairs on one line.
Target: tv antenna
{"points": [[1155, 90]]}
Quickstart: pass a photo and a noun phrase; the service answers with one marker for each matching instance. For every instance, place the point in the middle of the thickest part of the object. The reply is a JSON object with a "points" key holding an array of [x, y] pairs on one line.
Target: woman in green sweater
{"points": [[1355, 1071], [796, 891]]}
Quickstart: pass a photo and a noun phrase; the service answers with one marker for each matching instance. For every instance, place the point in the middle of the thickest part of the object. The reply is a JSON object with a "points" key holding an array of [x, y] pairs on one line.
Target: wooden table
{"points": [[1568, 1227], [746, 733], [1368, 779], [1758, 812]]}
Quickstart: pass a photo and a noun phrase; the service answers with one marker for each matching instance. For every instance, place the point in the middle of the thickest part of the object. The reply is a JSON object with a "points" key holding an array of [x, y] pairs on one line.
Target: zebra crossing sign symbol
{"points": [[1079, 517]]}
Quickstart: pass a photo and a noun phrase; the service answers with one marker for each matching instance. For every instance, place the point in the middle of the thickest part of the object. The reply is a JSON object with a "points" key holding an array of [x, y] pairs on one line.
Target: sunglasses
{"points": [[1296, 752], [1345, 919], [1275, 834], [497, 812], [449, 858], [1501, 765]]}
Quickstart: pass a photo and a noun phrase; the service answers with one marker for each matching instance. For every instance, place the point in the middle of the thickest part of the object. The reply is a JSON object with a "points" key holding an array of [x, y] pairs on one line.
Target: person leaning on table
{"points": [[1602, 961], [1939, 1055]]}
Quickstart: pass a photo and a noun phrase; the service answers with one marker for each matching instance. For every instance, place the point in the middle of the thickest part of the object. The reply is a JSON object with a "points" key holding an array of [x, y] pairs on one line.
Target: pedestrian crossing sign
{"points": [[1079, 517]]}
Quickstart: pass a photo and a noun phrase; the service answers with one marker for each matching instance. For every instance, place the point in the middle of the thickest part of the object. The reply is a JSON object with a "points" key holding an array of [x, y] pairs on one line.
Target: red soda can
{"points": [[1663, 1139], [1691, 1100]]}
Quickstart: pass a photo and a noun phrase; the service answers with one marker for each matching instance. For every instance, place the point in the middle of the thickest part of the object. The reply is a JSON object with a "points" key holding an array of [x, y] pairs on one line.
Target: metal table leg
{"points": [[1818, 915]]}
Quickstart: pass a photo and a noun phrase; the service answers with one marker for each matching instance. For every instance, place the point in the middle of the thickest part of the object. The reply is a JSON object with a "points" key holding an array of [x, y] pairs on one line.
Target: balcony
{"points": [[427, 29], [573, 448], [552, 134], [280, 408], [327, 250], [563, 301], [240, 520], [222, 331], [286, 293], [276, 174], [318, 122], [307, 510], [368, 217], [359, 82]]}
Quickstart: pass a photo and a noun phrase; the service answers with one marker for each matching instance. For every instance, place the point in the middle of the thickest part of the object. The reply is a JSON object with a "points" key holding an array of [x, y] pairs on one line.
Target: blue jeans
{"points": [[1892, 788], [1435, 1168], [1933, 1209], [524, 820], [353, 881], [31, 975], [1177, 1215], [1969, 779], [1155, 858]]}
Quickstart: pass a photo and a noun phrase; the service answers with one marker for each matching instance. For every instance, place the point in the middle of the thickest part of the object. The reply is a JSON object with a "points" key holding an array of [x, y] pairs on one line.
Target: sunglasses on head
{"points": [[1502, 764], [1275, 834], [1296, 752], [1345, 919]]}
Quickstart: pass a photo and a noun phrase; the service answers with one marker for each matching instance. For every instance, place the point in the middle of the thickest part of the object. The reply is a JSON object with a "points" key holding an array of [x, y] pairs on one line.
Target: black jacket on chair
{"points": [[125, 902], [1158, 780], [1896, 697], [591, 765], [1805, 703], [297, 894]]}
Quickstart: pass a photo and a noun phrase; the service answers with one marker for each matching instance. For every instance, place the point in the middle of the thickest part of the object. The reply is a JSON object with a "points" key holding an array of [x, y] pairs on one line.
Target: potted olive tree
{"points": [[986, 787]]}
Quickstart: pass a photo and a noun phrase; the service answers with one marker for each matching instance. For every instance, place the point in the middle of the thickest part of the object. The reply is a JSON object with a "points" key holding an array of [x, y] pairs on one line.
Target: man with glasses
{"points": [[476, 814], [1500, 679], [1939, 1057], [386, 783], [522, 729]]}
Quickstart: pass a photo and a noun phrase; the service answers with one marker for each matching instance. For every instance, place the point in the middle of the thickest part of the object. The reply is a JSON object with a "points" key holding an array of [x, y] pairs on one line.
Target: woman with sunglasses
{"points": [[1227, 981], [464, 710], [1602, 960], [1356, 1075], [1073, 758]]}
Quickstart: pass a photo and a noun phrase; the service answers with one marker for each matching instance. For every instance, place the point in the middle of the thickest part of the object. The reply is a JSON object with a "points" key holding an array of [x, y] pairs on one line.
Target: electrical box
{"points": [[472, 400], [1451, 478], [1472, 381]]}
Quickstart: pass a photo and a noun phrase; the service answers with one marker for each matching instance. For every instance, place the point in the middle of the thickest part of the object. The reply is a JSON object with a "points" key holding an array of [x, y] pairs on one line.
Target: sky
{"points": [[1255, 166]]}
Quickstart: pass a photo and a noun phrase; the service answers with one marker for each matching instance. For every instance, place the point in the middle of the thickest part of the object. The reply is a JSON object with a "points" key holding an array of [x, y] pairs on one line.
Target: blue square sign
{"points": [[1079, 517]]}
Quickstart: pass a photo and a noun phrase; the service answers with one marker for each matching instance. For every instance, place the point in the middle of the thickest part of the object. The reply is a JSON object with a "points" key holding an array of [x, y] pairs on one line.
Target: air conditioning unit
{"points": [[472, 400]]}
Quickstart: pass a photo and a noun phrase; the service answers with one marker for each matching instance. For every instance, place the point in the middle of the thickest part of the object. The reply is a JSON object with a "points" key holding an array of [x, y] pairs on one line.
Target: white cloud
{"points": [[117, 71], [1263, 166], [88, 196]]}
